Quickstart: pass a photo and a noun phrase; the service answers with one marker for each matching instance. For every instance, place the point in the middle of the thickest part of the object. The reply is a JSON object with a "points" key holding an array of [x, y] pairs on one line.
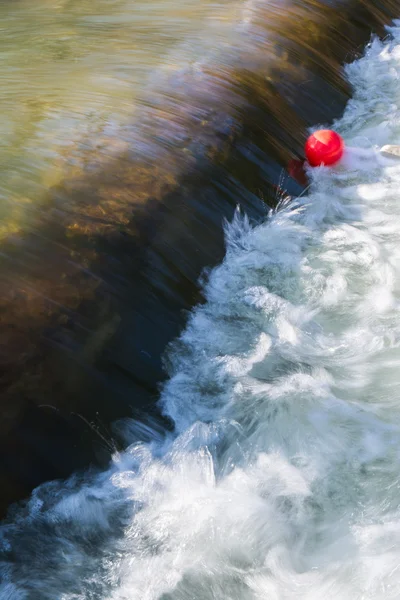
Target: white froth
{"points": [[283, 478]]}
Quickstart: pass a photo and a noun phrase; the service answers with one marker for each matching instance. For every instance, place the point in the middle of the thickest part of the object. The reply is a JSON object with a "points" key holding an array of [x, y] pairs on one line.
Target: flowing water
{"points": [[282, 479], [70, 69]]}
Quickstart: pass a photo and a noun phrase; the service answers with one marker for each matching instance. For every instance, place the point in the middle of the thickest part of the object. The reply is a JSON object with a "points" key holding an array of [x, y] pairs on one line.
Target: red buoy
{"points": [[324, 147]]}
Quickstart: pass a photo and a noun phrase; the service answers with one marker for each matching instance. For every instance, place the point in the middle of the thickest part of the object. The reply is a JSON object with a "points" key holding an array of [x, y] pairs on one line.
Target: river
{"points": [[281, 477]]}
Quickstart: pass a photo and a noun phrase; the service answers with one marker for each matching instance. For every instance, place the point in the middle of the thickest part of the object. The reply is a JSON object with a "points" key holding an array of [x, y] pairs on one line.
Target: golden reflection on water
{"points": [[71, 68]]}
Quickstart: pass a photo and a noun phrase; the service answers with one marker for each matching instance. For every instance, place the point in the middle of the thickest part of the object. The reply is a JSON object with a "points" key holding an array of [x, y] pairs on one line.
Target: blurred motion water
{"points": [[73, 74], [281, 477], [129, 132], [70, 68]]}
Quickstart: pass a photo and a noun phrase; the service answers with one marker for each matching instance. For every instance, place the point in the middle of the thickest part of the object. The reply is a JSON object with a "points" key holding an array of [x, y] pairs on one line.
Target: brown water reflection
{"points": [[107, 226]]}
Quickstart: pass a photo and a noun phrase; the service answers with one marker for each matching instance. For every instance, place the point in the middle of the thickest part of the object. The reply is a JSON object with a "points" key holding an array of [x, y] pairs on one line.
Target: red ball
{"points": [[324, 147]]}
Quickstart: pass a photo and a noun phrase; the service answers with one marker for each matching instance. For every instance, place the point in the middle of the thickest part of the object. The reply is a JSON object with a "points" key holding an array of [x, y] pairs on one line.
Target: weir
{"points": [[97, 276]]}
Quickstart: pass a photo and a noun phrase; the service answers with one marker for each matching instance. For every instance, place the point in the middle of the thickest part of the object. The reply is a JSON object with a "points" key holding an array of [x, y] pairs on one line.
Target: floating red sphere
{"points": [[324, 147]]}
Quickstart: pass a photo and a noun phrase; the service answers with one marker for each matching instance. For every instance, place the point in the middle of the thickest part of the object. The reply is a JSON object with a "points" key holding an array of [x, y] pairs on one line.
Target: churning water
{"points": [[282, 479]]}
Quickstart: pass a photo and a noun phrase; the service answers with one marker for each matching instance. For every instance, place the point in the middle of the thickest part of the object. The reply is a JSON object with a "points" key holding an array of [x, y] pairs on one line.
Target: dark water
{"points": [[129, 132]]}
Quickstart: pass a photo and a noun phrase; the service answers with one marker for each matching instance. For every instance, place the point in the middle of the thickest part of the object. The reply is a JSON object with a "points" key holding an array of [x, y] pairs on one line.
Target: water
{"points": [[71, 71], [77, 81], [282, 479]]}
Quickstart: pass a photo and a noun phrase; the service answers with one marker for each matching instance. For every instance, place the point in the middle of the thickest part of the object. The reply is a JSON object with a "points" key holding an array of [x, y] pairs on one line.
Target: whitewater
{"points": [[282, 477]]}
